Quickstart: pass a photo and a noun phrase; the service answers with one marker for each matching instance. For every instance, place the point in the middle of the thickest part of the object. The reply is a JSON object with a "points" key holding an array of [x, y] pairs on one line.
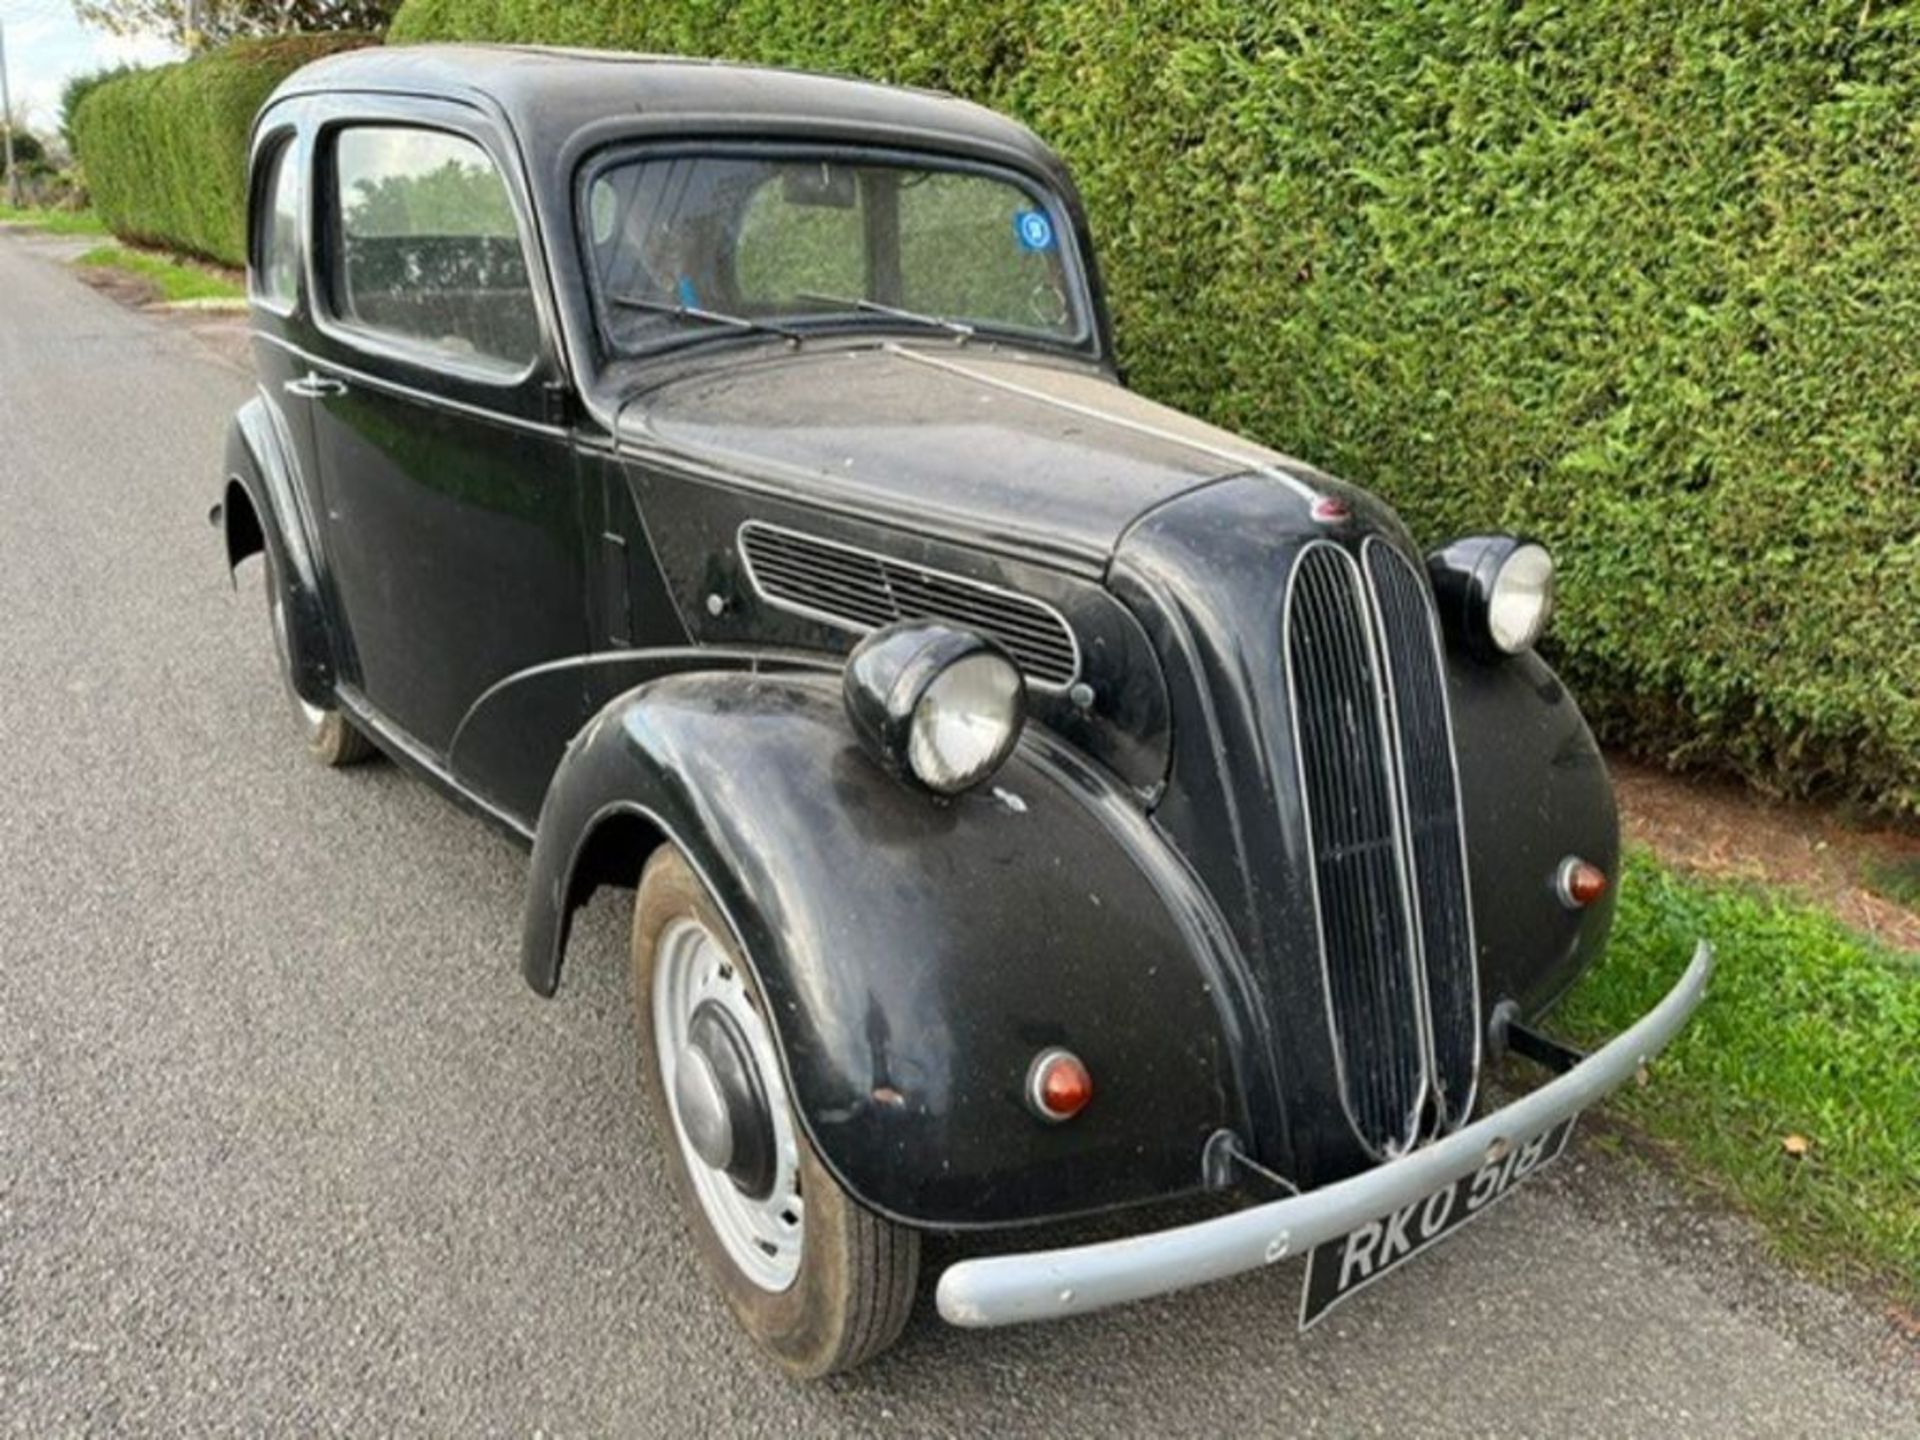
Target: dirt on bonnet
{"points": [[1719, 829]]}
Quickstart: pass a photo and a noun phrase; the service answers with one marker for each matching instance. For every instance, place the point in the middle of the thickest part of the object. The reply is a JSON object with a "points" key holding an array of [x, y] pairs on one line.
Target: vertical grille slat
{"points": [[1375, 755], [1434, 835]]}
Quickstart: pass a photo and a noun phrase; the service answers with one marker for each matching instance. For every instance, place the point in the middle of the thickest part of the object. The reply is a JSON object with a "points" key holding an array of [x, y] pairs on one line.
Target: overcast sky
{"points": [[45, 45]]}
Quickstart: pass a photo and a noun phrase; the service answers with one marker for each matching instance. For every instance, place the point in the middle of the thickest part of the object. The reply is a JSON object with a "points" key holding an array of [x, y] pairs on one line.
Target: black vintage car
{"points": [[1040, 802]]}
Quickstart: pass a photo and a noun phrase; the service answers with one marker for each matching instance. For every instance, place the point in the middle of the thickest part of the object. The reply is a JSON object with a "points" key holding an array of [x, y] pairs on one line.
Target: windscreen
{"points": [[681, 245]]}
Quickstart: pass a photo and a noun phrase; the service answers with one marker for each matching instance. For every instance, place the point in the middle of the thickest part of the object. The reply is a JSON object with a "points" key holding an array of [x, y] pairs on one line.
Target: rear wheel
{"points": [[330, 737], [819, 1282]]}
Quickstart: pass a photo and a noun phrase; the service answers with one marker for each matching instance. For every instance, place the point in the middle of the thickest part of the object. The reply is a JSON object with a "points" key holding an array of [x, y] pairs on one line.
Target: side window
{"points": [[425, 249], [276, 241]]}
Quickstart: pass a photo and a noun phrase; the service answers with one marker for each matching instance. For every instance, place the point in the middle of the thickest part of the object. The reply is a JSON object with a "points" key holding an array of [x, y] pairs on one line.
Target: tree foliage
{"points": [[218, 21], [29, 151]]}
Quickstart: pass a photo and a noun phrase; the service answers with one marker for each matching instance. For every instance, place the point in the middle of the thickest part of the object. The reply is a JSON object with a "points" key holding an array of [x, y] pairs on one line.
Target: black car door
{"points": [[452, 524]]}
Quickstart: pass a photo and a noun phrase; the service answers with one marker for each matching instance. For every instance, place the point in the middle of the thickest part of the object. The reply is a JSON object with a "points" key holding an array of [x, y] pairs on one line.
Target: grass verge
{"points": [[1897, 878], [1796, 1090], [175, 280], [55, 222]]}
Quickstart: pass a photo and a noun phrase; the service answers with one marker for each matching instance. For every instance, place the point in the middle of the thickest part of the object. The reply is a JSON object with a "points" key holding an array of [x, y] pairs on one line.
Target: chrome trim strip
{"points": [[947, 577], [1076, 1279], [408, 392], [1460, 818], [1414, 951], [1246, 464]]}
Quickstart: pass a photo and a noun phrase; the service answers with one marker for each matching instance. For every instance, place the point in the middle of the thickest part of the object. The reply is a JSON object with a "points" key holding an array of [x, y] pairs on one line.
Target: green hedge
{"points": [[1640, 278], [164, 151]]}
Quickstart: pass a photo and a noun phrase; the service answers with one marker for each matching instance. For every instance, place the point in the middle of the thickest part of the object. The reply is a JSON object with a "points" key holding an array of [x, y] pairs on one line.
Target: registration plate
{"points": [[1344, 1267]]}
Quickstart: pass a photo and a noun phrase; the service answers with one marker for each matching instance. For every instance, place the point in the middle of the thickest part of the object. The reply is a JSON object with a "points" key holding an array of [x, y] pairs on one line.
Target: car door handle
{"points": [[313, 386]]}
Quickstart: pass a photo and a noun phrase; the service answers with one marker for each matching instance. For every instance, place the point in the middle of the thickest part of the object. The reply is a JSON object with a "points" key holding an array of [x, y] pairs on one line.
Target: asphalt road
{"points": [[285, 1144]]}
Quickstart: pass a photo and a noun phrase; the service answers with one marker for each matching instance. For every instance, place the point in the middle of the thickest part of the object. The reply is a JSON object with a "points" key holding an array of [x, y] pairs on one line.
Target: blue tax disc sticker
{"points": [[1034, 229]]}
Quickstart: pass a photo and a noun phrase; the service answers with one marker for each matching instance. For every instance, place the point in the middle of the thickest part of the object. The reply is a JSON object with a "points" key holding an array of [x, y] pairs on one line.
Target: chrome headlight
{"points": [[1495, 592], [934, 704]]}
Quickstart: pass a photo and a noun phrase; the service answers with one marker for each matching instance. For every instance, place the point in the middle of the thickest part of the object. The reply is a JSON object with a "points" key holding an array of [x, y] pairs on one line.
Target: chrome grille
{"points": [[1436, 847], [860, 590], [1375, 753], [1348, 776]]}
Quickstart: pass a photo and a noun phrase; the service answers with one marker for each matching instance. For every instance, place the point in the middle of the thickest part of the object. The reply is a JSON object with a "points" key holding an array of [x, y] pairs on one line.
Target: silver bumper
{"points": [[1049, 1284]]}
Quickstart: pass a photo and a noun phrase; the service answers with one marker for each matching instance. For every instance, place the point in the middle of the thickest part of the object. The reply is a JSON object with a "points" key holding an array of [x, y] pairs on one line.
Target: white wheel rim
{"points": [[762, 1238], [311, 716]]}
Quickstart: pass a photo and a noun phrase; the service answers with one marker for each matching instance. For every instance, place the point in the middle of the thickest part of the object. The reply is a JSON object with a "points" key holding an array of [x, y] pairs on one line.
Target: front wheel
{"points": [[819, 1282]]}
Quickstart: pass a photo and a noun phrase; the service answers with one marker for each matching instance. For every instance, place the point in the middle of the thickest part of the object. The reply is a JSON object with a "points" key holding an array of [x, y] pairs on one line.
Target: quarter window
{"points": [[276, 253], [427, 251]]}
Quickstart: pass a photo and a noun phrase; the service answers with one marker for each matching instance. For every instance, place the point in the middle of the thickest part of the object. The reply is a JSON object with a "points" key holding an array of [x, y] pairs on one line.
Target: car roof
{"points": [[551, 95]]}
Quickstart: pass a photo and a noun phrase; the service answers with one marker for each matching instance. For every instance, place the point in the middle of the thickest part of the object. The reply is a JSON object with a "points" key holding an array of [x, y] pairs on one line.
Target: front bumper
{"points": [[1049, 1284]]}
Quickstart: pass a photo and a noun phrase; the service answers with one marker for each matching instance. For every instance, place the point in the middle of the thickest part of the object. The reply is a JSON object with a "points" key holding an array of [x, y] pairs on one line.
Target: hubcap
{"points": [[698, 995], [702, 1109]]}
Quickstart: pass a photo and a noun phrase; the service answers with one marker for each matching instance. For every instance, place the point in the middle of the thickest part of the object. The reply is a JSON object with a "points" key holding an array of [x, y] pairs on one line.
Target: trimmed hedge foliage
{"points": [[164, 151], [1641, 279]]}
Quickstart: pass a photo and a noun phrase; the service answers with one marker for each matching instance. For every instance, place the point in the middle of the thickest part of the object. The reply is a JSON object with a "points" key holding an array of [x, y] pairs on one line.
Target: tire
{"points": [[851, 1284], [330, 737]]}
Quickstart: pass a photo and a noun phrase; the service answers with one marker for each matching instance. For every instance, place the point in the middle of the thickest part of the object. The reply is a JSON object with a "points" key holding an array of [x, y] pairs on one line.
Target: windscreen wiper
{"points": [[694, 312], [939, 322]]}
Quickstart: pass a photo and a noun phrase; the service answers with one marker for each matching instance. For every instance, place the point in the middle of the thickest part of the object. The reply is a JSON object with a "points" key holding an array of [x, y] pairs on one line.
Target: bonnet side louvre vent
{"points": [[860, 590]]}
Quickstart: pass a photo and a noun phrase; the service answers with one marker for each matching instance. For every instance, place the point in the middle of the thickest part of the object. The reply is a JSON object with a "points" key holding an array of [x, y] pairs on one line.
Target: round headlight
{"points": [[966, 722], [941, 706], [1495, 593], [1520, 600]]}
